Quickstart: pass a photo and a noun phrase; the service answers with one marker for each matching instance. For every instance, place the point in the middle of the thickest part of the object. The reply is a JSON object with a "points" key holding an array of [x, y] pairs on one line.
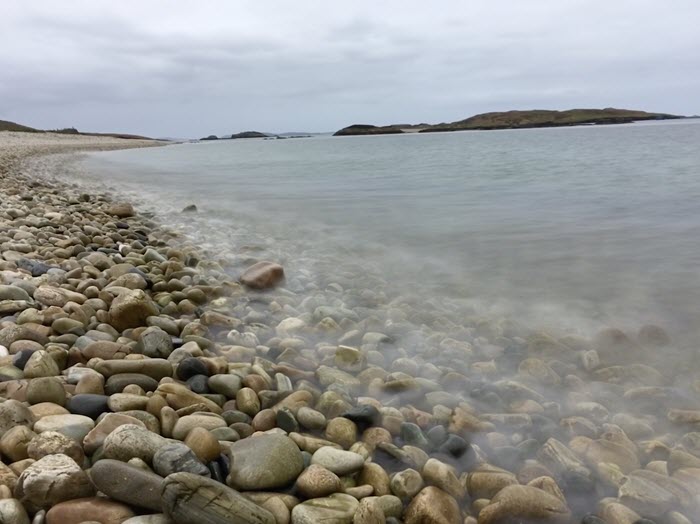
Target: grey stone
{"points": [[127, 484], [189, 498], [177, 457], [264, 462]]}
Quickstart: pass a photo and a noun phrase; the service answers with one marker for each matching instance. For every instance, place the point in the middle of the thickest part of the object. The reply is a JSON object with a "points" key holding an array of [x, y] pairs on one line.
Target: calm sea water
{"points": [[577, 227]]}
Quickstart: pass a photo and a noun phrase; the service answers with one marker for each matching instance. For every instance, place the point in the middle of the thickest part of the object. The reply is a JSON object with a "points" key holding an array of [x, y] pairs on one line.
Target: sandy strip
{"points": [[16, 145]]}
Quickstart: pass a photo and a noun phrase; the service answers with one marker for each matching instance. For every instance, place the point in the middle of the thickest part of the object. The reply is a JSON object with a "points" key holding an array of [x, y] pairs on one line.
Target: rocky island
{"points": [[515, 120], [244, 134]]}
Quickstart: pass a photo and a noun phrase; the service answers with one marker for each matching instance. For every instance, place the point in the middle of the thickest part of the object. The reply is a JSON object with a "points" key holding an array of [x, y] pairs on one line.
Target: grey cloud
{"points": [[309, 65]]}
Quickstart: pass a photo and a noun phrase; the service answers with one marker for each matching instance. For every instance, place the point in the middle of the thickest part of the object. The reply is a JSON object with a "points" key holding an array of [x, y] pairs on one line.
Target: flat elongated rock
{"points": [[88, 509], [72, 426], [526, 502], [338, 461], [189, 498], [264, 462], [339, 508], [155, 368], [128, 484]]}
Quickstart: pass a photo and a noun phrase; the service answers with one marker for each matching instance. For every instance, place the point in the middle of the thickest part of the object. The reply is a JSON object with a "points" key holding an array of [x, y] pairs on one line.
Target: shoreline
{"points": [[134, 355]]}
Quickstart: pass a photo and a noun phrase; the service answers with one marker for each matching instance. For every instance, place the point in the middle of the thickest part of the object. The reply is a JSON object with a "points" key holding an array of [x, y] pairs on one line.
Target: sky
{"points": [[170, 68]]}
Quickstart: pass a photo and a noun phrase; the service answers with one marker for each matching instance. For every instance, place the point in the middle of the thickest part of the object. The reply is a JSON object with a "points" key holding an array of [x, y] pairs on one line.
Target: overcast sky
{"points": [[187, 69]]}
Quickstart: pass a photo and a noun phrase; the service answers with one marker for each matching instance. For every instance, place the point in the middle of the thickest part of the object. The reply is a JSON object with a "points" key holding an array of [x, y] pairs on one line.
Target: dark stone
{"points": [[127, 484], [198, 384], [190, 367], [575, 482], [286, 421], [269, 398], [543, 427], [243, 429], [217, 473], [528, 447], [455, 446], [506, 457], [155, 343], [35, 267], [231, 417], [20, 359], [413, 435], [437, 435], [87, 404], [364, 416], [190, 209], [117, 383], [592, 519]]}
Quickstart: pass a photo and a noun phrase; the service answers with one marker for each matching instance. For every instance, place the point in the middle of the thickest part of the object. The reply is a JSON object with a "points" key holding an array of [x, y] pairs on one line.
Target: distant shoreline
{"points": [[533, 119]]}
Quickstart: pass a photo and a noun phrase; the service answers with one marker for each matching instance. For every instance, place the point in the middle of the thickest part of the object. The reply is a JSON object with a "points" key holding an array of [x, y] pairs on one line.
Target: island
{"points": [[249, 134], [515, 120], [6, 125]]}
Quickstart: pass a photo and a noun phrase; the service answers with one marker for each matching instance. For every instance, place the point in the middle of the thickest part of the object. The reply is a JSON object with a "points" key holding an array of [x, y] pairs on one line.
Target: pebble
{"points": [[435, 506], [263, 275], [338, 507], [46, 389], [338, 461], [72, 426], [52, 443], [50, 480], [129, 441], [263, 463], [316, 481], [94, 509], [127, 484]]}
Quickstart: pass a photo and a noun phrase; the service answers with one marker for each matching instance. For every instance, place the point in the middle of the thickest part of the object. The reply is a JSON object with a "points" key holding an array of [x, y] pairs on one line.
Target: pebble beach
{"points": [[143, 382]]}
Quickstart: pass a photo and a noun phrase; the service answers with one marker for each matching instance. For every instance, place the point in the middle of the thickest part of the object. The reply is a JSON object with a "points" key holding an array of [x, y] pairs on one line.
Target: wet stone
{"points": [[364, 416], [46, 389], [89, 405], [190, 367], [265, 462], [198, 384]]}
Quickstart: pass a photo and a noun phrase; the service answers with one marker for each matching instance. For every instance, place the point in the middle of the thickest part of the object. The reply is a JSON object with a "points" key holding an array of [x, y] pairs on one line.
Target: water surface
{"points": [[576, 228]]}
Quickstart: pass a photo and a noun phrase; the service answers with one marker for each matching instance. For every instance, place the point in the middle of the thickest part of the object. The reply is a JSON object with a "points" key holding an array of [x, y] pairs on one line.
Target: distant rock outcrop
{"points": [[365, 129], [249, 134], [516, 120]]}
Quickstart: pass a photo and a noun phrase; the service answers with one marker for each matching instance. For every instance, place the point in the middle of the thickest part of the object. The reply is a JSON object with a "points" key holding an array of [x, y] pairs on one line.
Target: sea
{"points": [[569, 230]]}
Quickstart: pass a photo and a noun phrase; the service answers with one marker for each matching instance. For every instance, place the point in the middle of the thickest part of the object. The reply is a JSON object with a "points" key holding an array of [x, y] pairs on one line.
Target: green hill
{"points": [[6, 125], [517, 120], [11, 126]]}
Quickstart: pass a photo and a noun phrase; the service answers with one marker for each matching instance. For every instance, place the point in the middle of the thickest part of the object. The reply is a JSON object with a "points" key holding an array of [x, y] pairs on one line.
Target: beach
{"points": [[143, 381]]}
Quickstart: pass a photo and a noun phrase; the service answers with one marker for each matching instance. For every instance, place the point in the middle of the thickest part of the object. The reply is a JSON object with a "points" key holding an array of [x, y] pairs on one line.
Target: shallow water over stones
{"points": [[429, 416]]}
